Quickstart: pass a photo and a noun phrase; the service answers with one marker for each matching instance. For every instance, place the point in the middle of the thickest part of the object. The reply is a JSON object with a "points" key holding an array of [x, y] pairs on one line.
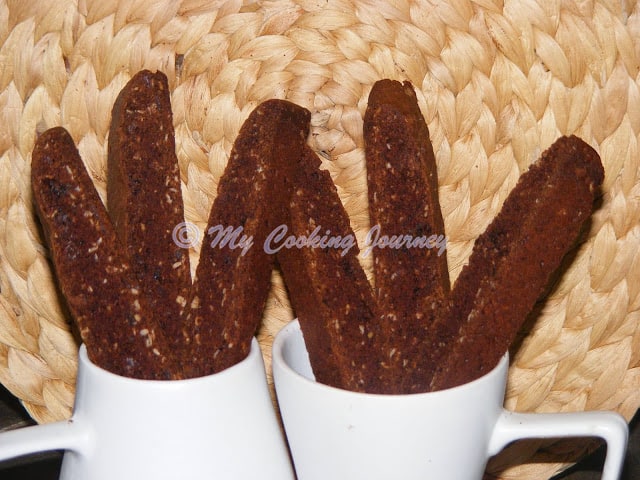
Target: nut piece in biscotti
{"points": [[407, 238], [233, 277], [144, 199], [327, 286], [513, 260], [110, 309]]}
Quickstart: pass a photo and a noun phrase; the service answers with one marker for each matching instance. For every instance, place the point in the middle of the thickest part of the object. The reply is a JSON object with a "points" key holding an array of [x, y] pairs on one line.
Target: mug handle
{"points": [[63, 435], [609, 426]]}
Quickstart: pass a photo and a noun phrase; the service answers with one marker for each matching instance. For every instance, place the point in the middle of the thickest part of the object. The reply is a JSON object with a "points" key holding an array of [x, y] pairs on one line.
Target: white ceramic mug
{"points": [[221, 426], [450, 434]]}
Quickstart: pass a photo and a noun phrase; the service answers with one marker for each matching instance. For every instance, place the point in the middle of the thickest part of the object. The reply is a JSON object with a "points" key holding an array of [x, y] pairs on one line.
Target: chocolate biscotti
{"points": [[144, 198], [233, 276], [130, 292], [407, 238], [113, 315], [513, 260], [327, 286]]}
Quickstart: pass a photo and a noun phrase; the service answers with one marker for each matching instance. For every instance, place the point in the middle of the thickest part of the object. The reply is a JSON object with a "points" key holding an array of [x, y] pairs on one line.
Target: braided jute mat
{"points": [[498, 81]]}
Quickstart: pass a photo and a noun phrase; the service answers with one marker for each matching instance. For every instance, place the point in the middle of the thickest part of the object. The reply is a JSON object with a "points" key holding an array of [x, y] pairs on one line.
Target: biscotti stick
{"points": [[233, 276], [513, 260], [327, 286], [144, 199], [110, 309], [407, 238]]}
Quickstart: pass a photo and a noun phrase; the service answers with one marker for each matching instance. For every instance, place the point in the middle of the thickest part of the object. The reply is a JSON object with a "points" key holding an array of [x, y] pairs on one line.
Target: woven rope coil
{"points": [[497, 80]]}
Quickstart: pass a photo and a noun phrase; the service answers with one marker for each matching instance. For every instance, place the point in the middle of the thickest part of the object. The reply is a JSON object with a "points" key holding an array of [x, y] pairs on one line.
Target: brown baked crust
{"points": [[231, 286], [109, 307], [513, 260], [411, 282], [144, 199], [328, 288]]}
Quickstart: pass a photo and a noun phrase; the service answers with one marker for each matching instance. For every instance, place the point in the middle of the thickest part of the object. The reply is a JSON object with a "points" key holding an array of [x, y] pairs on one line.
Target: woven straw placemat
{"points": [[498, 81]]}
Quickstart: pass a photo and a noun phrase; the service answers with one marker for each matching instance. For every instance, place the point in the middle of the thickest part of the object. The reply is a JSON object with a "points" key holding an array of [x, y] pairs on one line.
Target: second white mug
{"points": [[450, 434]]}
